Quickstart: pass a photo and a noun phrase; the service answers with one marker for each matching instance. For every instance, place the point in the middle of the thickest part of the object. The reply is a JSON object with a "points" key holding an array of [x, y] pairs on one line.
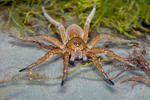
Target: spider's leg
{"points": [[43, 45], [66, 60], [98, 38], [93, 56], [55, 51], [87, 23], [48, 38], [110, 53], [57, 25]]}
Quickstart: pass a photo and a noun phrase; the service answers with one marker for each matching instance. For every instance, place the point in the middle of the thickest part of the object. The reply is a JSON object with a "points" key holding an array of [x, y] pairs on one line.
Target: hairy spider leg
{"points": [[43, 45], [93, 56], [55, 51], [66, 61], [87, 23], [110, 53], [58, 25], [98, 38], [48, 38]]}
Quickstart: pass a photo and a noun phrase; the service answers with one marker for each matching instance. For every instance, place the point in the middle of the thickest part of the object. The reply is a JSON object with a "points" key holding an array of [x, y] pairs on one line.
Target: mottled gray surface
{"points": [[14, 56]]}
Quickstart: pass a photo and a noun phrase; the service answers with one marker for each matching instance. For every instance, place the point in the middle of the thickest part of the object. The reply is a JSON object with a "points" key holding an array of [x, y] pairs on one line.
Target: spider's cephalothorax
{"points": [[74, 45], [77, 48]]}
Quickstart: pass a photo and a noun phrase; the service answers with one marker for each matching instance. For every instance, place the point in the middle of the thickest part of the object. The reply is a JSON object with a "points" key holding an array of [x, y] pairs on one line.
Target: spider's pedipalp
{"points": [[72, 58], [58, 25], [55, 51], [85, 58], [87, 23]]}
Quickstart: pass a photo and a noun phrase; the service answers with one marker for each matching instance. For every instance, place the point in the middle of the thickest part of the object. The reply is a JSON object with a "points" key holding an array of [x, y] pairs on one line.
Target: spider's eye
{"points": [[77, 44]]}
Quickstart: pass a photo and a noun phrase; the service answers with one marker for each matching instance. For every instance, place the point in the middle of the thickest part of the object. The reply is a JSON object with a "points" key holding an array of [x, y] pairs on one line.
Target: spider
{"points": [[74, 45]]}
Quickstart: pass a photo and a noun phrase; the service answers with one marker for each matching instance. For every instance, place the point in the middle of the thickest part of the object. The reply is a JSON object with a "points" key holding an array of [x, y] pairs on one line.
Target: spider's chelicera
{"points": [[74, 45]]}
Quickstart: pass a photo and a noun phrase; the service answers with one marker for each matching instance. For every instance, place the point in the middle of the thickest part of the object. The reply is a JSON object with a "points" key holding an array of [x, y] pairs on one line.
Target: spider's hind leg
{"points": [[110, 53], [57, 24], [95, 59], [87, 23]]}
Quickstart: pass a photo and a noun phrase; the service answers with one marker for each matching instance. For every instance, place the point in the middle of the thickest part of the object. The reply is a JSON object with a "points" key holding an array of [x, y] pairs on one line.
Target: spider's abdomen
{"points": [[74, 31]]}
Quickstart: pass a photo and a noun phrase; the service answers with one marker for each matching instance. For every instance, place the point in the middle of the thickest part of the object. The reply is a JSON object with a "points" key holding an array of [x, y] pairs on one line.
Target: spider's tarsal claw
{"points": [[21, 70], [62, 82], [111, 82]]}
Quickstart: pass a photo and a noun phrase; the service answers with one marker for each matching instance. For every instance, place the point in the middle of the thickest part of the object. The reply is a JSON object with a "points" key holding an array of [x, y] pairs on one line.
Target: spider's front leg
{"points": [[66, 61], [95, 59], [58, 25], [110, 53], [55, 51], [87, 23]]}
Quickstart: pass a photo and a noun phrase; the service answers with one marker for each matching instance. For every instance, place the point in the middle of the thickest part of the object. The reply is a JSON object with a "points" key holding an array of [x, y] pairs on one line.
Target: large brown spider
{"points": [[74, 44]]}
